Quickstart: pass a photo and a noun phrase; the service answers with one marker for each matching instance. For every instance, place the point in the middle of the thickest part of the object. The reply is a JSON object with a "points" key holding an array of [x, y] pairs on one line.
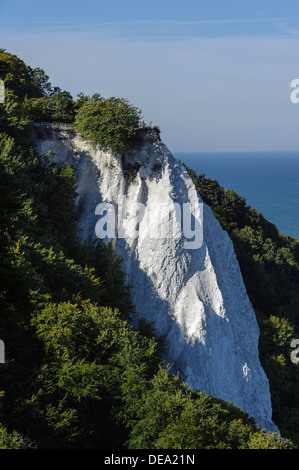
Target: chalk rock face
{"points": [[195, 295]]}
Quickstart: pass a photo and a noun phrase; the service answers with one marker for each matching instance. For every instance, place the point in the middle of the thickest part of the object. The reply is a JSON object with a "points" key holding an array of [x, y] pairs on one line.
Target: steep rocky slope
{"points": [[195, 295]]}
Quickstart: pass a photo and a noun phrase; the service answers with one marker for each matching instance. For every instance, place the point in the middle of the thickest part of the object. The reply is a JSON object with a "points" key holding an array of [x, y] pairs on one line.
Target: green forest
{"points": [[77, 374]]}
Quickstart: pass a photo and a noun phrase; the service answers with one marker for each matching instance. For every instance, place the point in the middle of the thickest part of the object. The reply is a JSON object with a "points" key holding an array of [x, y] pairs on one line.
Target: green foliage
{"points": [[11, 440], [109, 123], [29, 96], [13, 116], [22, 79], [16, 75], [61, 107], [81, 100], [261, 440], [38, 109], [44, 192], [56, 108], [88, 349], [163, 413], [40, 81], [38, 244]]}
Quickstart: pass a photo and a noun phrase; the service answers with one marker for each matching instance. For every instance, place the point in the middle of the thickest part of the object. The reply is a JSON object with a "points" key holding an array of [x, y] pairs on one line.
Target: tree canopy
{"points": [[109, 123]]}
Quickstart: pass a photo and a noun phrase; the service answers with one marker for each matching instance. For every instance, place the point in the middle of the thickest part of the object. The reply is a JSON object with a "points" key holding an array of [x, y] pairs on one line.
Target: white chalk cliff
{"points": [[196, 297]]}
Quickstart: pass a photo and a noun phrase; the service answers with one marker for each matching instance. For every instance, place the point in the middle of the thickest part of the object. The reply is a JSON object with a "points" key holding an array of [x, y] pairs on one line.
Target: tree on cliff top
{"points": [[109, 123]]}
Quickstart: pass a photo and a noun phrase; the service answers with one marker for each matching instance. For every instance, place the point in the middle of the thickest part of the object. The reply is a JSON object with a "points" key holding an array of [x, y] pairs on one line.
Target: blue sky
{"points": [[213, 75]]}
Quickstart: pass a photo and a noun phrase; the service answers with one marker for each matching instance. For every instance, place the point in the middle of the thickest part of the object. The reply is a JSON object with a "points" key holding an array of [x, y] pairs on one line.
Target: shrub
{"points": [[109, 123]]}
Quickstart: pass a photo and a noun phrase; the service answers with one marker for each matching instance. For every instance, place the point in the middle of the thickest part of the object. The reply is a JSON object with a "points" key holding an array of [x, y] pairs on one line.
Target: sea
{"points": [[269, 181]]}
